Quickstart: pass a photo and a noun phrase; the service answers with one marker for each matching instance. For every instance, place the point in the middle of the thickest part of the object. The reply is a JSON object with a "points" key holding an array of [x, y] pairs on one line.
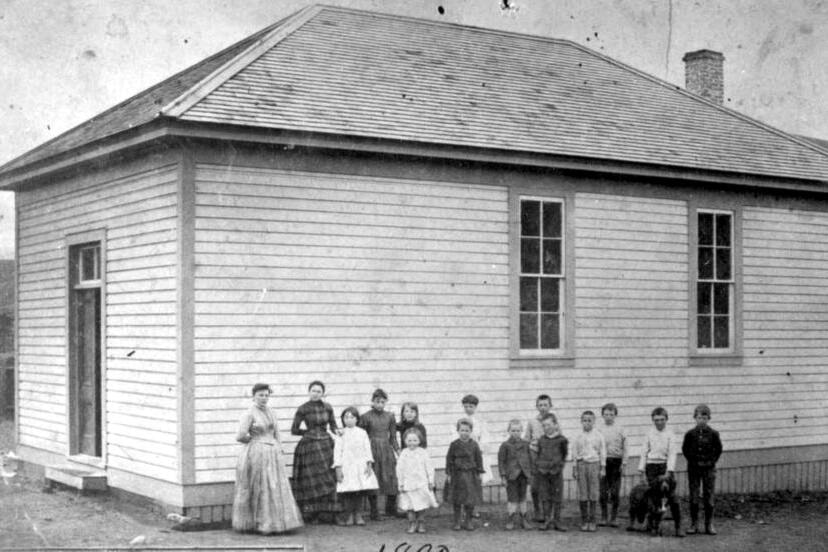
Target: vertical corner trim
{"points": [[185, 316]]}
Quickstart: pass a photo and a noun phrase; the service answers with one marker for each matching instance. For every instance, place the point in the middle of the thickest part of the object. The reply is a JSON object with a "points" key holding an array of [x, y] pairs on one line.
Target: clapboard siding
{"points": [[301, 276], [631, 303], [321, 292], [631, 285], [136, 204], [785, 294]]}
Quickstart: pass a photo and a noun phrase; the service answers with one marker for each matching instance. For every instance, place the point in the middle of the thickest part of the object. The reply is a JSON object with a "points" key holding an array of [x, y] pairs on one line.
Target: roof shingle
{"points": [[348, 72]]}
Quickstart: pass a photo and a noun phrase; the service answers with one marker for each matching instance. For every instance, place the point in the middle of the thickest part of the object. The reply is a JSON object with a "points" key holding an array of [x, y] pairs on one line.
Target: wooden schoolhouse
{"points": [[380, 201]]}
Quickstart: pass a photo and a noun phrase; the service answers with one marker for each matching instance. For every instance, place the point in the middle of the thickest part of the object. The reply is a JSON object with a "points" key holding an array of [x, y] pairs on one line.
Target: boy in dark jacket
{"points": [[701, 448], [549, 463], [515, 466]]}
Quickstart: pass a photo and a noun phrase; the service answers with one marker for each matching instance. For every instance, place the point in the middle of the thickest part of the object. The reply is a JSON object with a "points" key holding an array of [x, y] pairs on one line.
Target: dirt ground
{"points": [[30, 517]]}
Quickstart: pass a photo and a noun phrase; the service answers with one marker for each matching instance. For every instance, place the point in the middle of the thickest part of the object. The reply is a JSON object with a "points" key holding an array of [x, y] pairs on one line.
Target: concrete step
{"points": [[77, 477]]}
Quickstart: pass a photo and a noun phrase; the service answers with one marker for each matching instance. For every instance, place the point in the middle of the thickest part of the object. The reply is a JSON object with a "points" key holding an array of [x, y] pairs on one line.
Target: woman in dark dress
{"points": [[314, 478]]}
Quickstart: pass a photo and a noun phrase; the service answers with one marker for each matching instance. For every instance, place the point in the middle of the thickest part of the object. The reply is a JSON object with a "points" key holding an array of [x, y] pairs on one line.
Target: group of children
{"points": [[599, 456], [364, 460]]}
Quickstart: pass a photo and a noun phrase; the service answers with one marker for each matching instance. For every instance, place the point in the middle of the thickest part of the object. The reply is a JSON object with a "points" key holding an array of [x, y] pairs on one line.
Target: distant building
{"points": [[7, 338], [437, 209]]}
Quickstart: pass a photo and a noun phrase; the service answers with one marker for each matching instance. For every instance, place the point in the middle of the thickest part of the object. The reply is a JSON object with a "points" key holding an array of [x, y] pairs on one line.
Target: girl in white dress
{"points": [[415, 477], [354, 465]]}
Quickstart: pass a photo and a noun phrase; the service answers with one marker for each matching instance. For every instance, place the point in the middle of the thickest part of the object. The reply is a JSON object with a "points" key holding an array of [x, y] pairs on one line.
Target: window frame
{"points": [[77, 264], [699, 356], [543, 358]]}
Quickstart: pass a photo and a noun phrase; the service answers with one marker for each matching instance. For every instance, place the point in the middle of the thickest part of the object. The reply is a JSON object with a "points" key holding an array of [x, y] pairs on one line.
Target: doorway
{"points": [[85, 401]]}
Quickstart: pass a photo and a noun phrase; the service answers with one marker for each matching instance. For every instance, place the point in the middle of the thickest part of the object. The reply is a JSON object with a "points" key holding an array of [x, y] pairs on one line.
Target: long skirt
{"points": [[314, 480], [385, 466], [263, 501]]}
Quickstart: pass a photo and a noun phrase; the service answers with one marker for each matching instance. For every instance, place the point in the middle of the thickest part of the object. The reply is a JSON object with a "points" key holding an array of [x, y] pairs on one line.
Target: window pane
{"points": [[721, 304], [703, 301], [530, 255], [705, 229], [552, 220], [703, 331], [552, 256], [721, 332], [88, 263], [550, 295], [530, 218], [723, 230], [550, 337], [705, 263], [529, 294], [723, 263], [528, 331]]}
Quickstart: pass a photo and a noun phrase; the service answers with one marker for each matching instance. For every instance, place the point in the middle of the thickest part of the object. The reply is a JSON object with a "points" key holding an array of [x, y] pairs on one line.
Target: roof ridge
{"points": [[487, 30], [219, 76]]}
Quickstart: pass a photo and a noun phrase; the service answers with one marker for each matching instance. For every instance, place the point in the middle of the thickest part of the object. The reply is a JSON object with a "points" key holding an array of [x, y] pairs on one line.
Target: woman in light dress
{"points": [[263, 500]]}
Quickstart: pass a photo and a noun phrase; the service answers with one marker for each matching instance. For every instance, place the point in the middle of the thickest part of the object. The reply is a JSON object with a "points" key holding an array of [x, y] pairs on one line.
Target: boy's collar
{"points": [[557, 432]]}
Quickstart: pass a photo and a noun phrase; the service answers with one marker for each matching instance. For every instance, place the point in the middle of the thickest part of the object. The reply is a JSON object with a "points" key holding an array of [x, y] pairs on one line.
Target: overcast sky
{"points": [[63, 61]]}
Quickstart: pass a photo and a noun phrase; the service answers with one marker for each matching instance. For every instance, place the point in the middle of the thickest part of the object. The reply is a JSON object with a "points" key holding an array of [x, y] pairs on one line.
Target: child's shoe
{"points": [[510, 523], [358, 520], [372, 503], [421, 526], [525, 523], [457, 517], [708, 521], [412, 527], [709, 529], [584, 527], [350, 520], [694, 519], [469, 524], [556, 519], [391, 507], [591, 516], [613, 515]]}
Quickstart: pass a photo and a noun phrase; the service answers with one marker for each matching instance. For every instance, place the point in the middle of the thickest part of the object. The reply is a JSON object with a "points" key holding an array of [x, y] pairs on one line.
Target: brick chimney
{"points": [[704, 74]]}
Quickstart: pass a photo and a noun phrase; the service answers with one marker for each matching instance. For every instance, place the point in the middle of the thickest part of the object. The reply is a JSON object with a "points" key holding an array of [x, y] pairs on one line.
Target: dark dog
{"points": [[650, 502]]}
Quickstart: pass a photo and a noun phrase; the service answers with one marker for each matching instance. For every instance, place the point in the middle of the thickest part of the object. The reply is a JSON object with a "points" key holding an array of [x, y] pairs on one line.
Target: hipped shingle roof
{"points": [[338, 71]]}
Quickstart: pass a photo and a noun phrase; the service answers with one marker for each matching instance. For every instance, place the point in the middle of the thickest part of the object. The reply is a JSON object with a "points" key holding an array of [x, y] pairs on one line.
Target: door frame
{"points": [[70, 241]]}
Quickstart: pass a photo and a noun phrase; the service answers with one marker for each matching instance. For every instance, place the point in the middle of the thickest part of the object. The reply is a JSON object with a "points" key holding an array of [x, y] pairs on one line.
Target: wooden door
{"points": [[87, 371]]}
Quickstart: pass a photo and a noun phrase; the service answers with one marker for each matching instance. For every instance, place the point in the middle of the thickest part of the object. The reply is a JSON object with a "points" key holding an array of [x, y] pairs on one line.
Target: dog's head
{"points": [[661, 490]]}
